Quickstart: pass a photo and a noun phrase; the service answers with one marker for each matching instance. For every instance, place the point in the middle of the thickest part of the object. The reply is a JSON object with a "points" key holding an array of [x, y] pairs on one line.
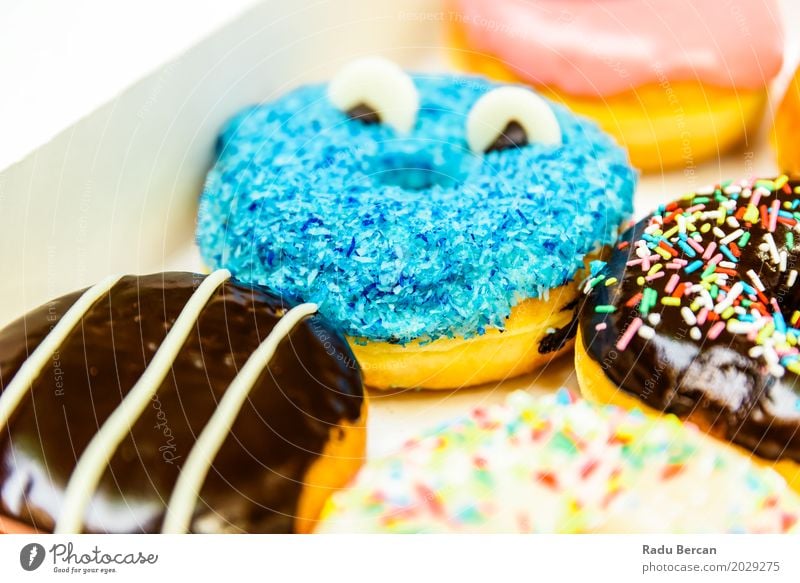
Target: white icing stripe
{"points": [[35, 363], [201, 457], [94, 460]]}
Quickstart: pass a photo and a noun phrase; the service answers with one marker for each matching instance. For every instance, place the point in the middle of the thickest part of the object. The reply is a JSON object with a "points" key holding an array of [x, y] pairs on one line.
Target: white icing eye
{"points": [[374, 89], [510, 117]]}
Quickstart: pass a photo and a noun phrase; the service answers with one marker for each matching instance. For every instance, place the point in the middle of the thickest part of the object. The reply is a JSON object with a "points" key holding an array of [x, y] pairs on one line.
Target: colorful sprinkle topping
{"points": [[716, 253], [559, 464]]}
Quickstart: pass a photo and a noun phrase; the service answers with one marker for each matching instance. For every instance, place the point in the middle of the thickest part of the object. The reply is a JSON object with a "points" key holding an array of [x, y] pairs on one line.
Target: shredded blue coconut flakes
{"points": [[403, 237]]}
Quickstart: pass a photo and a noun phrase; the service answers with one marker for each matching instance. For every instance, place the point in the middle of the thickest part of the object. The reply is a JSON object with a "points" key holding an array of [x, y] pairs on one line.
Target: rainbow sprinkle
{"points": [[559, 464], [699, 241]]}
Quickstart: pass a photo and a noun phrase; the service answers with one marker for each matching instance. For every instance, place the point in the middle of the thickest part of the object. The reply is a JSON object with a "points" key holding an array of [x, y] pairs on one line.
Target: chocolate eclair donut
{"points": [[697, 313], [175, 402]]}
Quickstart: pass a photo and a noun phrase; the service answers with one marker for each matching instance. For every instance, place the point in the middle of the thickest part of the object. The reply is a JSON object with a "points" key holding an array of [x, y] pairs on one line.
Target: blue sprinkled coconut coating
{"points": [[402, 237]]}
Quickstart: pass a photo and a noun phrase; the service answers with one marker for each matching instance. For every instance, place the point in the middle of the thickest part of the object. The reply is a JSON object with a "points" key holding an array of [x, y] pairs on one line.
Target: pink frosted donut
{"points": [[736, 43], [674, 81]]}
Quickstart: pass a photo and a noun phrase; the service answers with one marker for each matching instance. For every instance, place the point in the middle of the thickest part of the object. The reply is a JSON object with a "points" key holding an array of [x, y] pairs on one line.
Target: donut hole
{"points": [[417, 171]]}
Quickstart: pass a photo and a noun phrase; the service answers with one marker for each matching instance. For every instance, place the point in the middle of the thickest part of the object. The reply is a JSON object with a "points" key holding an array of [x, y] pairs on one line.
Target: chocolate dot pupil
{"points": [[364, 113], [513, 136]]}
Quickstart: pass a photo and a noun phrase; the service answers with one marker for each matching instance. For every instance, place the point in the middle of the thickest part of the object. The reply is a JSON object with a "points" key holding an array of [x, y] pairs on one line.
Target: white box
{"points": [[110, 184], [115, 189]]}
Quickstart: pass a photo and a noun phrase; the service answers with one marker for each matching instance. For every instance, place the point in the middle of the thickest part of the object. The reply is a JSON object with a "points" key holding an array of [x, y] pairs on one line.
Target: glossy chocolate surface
{"points": [[364, 113], [512, 136], [714, 382], [309, 387], [557, 339]]}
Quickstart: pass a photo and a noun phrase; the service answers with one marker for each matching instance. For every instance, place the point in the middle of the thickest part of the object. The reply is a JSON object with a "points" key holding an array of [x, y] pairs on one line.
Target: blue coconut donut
{"points": [[367, 196]]}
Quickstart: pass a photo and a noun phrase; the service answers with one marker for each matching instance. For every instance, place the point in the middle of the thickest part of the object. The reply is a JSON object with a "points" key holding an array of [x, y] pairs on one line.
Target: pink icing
{"points": [[603, 47]]}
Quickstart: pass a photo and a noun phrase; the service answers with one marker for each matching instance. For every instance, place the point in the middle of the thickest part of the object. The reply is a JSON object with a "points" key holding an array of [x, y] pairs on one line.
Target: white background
{"points": [[423, 559]]}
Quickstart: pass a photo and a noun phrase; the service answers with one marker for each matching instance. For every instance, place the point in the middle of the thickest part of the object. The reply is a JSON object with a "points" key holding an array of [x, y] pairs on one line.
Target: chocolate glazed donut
{"points": [[174, 402], [696, 313]]}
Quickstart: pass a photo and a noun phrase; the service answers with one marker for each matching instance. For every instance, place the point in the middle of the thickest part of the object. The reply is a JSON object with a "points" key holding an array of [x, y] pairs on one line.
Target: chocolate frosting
{"points": [[712, 381], [311, 386], [558, 338]]}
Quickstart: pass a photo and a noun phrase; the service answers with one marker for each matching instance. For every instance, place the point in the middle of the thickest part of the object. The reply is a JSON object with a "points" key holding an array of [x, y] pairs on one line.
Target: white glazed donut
{"points": [[559, 465]]}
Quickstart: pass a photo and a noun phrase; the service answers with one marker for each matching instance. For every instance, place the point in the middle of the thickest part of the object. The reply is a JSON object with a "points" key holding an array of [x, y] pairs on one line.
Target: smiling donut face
{"points": [[372, 203]]}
